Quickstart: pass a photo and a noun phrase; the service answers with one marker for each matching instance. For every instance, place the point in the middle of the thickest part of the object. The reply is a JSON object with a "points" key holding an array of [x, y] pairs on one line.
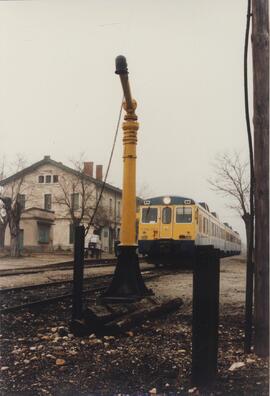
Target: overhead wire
{"points": [[107, 170]]}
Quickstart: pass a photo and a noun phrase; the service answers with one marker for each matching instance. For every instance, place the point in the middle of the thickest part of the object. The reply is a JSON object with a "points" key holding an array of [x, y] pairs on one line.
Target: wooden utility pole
{"points": [[260, 50]]}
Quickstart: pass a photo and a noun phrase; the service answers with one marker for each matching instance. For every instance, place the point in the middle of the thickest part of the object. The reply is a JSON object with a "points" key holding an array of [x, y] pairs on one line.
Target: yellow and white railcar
{"points": [[174, 225]]}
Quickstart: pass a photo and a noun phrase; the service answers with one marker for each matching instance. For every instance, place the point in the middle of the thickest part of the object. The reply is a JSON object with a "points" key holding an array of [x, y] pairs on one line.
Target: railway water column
{"points": [[127, 283]]}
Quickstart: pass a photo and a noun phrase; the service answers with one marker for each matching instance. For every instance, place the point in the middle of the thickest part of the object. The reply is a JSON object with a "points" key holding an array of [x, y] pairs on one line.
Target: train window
{"points": [[205, 226], [183, 215], [200, 223], [149, 215], [166, 215]]}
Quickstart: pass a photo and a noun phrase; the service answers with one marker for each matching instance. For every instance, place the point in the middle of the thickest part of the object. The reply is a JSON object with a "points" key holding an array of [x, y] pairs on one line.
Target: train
{"points": [[174, 226]]}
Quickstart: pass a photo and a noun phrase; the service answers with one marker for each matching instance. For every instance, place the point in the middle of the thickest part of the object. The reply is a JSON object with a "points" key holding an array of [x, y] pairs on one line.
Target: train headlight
{"points": [[167, 200]]}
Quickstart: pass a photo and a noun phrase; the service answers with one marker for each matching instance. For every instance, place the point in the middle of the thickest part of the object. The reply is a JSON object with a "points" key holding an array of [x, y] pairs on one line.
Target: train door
{"points": [[166, 227]]}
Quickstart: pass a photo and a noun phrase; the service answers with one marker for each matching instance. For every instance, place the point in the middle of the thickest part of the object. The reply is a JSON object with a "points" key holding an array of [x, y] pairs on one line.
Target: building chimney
{"points": [[88, 168], [99, 175]]}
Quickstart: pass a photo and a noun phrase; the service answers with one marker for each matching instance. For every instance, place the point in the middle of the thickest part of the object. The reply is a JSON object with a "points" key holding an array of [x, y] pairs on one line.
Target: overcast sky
{"points": [[60, 97]]}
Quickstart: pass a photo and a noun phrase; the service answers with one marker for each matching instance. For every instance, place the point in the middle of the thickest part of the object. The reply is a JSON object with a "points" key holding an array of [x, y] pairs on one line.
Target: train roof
{"points": [[178, 200], [174, 200]]}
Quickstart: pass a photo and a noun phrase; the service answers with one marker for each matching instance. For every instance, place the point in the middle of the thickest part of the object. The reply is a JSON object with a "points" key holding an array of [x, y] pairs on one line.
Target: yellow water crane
{"points": [[127, 283]]}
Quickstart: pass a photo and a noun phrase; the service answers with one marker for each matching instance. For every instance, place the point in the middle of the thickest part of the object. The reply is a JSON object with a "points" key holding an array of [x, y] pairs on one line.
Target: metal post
{"points": [[260, 52], [205, 315], [78, 273], [127, 283]]}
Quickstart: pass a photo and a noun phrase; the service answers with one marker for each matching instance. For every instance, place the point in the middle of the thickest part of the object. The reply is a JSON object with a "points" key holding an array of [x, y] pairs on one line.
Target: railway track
{"points": [[89, 263], [48, 293]]}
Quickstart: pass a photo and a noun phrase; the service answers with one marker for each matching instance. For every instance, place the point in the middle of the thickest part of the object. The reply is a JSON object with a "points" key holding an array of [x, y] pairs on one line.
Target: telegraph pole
{"points": [[260, 50]]}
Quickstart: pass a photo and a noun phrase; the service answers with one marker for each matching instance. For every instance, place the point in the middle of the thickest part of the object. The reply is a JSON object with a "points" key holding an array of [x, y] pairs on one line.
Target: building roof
{"points": [[48, 161]]}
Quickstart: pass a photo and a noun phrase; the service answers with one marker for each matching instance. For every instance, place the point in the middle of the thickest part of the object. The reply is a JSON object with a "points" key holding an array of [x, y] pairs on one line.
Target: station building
{"points": [[51, 194]]}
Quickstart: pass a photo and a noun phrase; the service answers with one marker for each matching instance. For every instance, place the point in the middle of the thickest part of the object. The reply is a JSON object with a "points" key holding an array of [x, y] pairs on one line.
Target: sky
{"points": [[60, 97]]}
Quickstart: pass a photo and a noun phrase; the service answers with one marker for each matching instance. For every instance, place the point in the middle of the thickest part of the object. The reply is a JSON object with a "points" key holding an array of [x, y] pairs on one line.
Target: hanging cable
{"points": [[107, 170]]}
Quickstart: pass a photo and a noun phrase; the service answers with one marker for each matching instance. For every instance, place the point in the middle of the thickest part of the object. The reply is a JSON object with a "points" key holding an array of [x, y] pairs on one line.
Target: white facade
{"points": [[45, 189]]}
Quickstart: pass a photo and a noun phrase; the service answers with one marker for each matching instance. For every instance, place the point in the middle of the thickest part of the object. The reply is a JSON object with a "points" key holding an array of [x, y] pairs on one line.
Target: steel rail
{"points": [[48, 301], [58, 267], [48, 284]]}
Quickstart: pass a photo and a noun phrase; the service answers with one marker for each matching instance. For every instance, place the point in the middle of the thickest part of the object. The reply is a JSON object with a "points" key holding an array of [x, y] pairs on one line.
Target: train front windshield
{"points": [[149, 215], [183, 215]]}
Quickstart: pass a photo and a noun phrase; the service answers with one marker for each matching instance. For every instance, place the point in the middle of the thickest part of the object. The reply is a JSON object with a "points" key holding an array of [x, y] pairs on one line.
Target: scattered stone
{"points": [[58, 348], [111, 352], [95, 341], [236, 366], [33, 348], [194, 391], [4, 368], [16, 351], [109, 337], [153, 391], [250, 360], [49, 356], [54, 329], [60, 362], [26, 361], [62, 331], [131, 334], [45, 337]]}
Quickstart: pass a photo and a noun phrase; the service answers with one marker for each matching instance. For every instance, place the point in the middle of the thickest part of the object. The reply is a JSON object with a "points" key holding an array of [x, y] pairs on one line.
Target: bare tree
{"points": [[78, 197], [232, 180], [15, 191]]}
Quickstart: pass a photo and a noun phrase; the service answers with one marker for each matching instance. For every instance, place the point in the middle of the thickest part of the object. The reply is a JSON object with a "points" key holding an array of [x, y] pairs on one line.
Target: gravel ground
{"points": [[41, 357]]}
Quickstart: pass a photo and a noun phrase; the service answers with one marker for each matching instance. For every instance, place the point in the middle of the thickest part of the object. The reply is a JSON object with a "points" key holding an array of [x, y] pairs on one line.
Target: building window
{"points": [[118, 208], [21, 200], [55, 178], [41, 179], [74, 201], [43, 233], [110, 207], [48, 201], [71, 233], [48, 178]]}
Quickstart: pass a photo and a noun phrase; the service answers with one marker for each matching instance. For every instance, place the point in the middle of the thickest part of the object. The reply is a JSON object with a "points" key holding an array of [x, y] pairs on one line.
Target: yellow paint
{"points": [[130, 127], [166, 230], [150, 231]]}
